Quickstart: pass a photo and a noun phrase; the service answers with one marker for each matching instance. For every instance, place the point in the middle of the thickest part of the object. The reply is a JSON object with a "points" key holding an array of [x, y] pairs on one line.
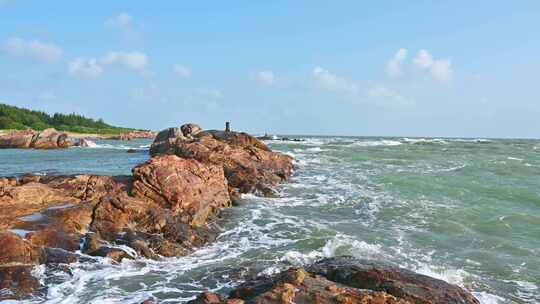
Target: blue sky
{"points": [[402, 68]]}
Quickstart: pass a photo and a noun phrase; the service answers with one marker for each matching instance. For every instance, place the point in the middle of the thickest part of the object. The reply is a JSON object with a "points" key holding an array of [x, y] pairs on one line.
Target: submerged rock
{"points": [[46, 139], [345, 280]]}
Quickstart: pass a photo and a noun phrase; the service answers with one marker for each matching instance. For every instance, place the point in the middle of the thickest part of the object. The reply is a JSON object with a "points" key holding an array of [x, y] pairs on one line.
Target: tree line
{"points": [[16, 118]]}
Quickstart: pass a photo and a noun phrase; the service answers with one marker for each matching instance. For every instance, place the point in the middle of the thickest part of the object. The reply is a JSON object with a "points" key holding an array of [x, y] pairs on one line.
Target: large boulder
{"points": [[51, 139], [344, 280], [46, 139], [249, 165], [403, 283], [190, 189]]}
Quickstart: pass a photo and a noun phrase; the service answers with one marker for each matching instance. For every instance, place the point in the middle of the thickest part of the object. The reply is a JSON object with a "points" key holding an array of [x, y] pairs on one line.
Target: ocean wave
{"points": [[423, 141], [375, 143]]}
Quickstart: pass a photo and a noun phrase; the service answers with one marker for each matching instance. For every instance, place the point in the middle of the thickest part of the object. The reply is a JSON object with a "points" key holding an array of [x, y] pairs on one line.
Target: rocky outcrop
{"points": [[136, 134], [249, 165], [46, 139], [344, 280], [191, 190], [165, 208]]}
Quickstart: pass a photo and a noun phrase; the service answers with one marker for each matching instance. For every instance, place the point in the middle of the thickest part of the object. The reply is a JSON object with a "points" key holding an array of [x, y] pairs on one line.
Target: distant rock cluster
{"points": [[46, 139]]}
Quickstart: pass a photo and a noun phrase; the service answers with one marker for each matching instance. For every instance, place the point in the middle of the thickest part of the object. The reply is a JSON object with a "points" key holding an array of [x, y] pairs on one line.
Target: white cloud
{"points": [[394, 65], [131, 60], [333, 82], [440, 69], [182, 71], [94, 67], [124, 23], [265, 77], [387, 96], [85, 67], [123, 20], [44, 52], [209, 93], [423, 59]]}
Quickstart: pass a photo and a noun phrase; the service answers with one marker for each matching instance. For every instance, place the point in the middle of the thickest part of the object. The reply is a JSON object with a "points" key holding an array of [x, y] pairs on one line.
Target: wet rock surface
{"points": [[344, 280]]}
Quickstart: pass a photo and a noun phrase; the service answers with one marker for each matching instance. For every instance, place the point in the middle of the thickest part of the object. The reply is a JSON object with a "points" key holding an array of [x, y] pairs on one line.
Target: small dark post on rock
{"points": [[227, 126]]}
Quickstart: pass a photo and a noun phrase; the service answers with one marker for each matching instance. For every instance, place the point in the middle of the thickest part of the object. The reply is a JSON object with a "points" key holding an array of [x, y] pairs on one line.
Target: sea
{"points": [[466, 211]]}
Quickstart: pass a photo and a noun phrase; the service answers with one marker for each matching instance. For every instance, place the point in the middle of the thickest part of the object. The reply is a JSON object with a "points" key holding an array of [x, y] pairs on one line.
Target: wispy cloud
{"points": [[124, 23], [93, 67], [40, 51], [131, 60], [439, 69], [265, 77], [85, 67], [334, 82], [387, 96], [182, 70], [394, 65]]}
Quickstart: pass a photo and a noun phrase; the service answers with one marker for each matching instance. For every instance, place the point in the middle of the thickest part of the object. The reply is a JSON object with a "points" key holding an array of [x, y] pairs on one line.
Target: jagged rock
{"points": [[14, 251], [399, 282], [163, 209], [115, 254], [165, 141], [46, 139], [248, 163], [84, 142], [17, 281], [345, 280], [192, 190]]}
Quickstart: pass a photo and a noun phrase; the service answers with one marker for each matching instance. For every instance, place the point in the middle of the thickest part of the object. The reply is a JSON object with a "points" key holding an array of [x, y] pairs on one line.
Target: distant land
{"points": [[15, 118]]}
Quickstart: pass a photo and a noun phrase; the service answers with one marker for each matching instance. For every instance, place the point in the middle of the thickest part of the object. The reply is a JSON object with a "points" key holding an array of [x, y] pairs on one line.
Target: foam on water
{"points": [[413, 202]]}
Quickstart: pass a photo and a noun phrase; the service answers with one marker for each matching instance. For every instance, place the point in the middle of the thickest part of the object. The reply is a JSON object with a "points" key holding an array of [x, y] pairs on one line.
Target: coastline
{"points": [[148, 183]]}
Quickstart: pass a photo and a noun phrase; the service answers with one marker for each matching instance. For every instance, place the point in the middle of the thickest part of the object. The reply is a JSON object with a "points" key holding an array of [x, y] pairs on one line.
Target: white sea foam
{"points": [[375, 143], [487, 298], [514, 158], [423, 140]]}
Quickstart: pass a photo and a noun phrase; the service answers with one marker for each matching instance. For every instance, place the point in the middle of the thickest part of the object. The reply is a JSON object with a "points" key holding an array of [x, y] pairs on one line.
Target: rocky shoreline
{"points": [[167, 208], [46, 139]]}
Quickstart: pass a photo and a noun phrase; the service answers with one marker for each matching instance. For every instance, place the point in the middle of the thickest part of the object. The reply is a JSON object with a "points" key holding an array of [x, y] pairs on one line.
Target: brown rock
{"points": [[248, 163], [51, 139], [135, 135], [17, 139], [189, 130], [18, 281], [399, 282], [114, 254], [46, 139], [188, 188], [298, 286], [84, 142], [165, 141]]}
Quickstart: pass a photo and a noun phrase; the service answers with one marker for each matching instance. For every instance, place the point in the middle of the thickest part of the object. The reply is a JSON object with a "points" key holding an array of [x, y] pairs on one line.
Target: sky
{"points": [[386, 68]]}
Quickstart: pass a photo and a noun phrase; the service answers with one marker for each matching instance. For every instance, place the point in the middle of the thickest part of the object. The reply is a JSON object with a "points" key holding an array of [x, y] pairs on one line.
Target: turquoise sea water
{"points": [[463, 210]]}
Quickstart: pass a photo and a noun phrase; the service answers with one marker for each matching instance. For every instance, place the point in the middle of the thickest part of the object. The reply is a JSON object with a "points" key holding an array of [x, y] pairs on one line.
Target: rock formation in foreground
{"points": [[344, 280], [30, 139], [165, 208]]}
